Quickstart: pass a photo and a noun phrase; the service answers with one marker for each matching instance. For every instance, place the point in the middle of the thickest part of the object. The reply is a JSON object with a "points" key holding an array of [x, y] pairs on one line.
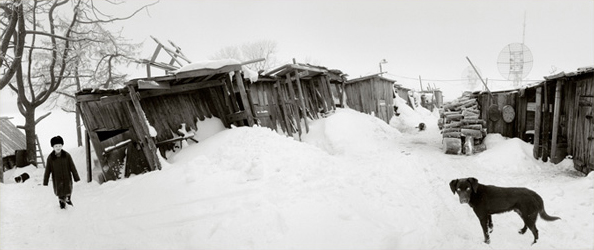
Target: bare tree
{"points": [[42, 52], [250, 51], [96, 66]]}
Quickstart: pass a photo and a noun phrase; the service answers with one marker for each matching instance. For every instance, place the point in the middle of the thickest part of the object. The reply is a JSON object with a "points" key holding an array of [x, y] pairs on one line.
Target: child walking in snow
{"points": [[62, 169]]}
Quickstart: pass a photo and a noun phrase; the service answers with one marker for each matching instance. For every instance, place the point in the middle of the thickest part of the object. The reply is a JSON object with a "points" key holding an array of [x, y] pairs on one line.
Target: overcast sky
{"points": [[427, 38], [418, 38]]}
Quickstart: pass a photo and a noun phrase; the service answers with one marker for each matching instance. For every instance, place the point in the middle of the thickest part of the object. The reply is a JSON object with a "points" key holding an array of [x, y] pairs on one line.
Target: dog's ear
{"points": [[453, 184], [474, 183]]}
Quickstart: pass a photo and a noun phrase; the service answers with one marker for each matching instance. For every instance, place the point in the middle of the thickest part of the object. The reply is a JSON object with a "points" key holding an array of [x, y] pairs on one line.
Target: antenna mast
{"points": [[524, 30]]}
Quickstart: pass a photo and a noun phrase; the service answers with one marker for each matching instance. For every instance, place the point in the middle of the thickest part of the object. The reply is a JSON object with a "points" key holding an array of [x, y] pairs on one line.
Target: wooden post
{"points": [[292, 98], [302, 101], [88, 157], [537, 120], [342, 93], [142, 131], [420, 82], [556, 115], [281, 100], [246, 103], [326, 82], [546, 125]]}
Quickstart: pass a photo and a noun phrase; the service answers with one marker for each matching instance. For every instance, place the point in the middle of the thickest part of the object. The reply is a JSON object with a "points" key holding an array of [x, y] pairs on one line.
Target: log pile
{"points": [[462, 129]]}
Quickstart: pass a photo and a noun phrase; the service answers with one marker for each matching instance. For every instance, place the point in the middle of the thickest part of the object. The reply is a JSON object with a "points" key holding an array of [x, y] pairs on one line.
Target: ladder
{"points": [[38, 152]]}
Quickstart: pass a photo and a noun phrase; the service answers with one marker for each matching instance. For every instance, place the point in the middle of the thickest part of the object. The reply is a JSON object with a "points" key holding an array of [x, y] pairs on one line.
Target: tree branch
{"points": [[35, 32], [42, 117], [19, 41], [118, 18]]}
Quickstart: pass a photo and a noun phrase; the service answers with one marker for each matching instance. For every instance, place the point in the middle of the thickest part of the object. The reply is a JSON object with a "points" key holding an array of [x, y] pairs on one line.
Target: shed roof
{"points": [[370, 77], [11, 137], [197, 78], [307, 70], [580, 71]]}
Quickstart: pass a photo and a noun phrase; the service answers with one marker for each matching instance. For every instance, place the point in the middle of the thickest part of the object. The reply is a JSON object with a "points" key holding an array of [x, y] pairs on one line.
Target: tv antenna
{"points": [[515, 60]]}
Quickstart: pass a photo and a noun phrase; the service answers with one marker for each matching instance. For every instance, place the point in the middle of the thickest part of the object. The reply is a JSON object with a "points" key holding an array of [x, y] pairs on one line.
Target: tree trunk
{"points": [[30, 136]]}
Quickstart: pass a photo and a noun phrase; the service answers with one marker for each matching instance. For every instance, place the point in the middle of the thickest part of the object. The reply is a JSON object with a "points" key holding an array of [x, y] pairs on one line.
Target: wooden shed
{"points": [[12, 141], [128, 126], [371, 94], [287, 95], [555, 115]]}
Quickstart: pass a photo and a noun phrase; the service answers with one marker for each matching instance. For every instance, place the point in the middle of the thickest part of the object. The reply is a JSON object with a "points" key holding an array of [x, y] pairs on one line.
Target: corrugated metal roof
{"points": [[580, 71], [11, 138]]}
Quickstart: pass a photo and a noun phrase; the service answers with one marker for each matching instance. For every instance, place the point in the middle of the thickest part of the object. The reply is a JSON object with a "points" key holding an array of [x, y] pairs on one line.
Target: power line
{"points": [[456, 80]]}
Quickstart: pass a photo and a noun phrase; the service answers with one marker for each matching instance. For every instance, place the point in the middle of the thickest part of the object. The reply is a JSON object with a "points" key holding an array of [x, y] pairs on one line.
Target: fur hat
{"points": [[57, 140]]}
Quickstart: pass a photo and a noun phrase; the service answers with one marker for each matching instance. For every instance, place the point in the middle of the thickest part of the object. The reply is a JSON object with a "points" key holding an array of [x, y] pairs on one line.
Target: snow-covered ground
{"points": [[353, 182]]}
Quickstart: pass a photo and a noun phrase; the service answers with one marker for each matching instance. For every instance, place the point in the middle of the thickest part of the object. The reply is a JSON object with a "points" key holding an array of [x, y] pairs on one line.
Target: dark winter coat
{"points": [[62, 170]]}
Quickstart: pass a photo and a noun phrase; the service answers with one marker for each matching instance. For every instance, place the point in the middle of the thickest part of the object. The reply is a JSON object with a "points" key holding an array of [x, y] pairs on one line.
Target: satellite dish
{"points": [[470, 78], [515, 62]]}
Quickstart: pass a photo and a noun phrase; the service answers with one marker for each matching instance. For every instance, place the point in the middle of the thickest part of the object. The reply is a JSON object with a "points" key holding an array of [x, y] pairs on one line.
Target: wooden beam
{"points": [[142, 84], [537, 120], [281, 101], [192, 73], [181, 88], [88, 156], [342, 94], [326, 83], [556, 115], [247, 106], [237, 116], [171, 52], [142, 131], [546, 125], [302, 101], [205, 72], [292, 101]]}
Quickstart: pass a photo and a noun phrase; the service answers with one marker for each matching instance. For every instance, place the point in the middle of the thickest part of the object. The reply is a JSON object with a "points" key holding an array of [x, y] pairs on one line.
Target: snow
{"points": [[353, 182], [217, 64]]}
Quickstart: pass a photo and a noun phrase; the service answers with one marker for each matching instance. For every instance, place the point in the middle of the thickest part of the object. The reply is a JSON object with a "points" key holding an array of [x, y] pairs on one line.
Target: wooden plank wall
{"points": [[371, 96], [500, 126], [580, 123], [107, 116], [278, 103], [535, 110], [111, 117], [166, 113]]}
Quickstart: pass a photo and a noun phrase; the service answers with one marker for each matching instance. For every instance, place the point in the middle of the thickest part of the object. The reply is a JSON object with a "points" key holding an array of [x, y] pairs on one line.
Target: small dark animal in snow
{"points": [[486, 200], [421, 126], [21, 178]]}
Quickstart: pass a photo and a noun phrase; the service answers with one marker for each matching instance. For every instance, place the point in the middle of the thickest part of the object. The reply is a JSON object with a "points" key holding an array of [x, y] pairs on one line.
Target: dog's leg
{"points": [[531, 223], [490, 224], [484, 225], [522, 230]]}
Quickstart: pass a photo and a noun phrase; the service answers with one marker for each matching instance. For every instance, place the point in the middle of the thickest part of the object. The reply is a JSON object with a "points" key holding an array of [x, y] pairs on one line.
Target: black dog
{"points": [[21, 178], [487, 200]]}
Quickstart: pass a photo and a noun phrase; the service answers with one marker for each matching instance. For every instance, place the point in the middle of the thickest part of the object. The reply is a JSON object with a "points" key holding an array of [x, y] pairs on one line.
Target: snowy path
{"points": [[353, 183]]}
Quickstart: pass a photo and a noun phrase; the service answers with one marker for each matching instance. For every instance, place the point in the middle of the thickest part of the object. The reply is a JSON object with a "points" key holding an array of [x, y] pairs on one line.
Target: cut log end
{"points": [[452, 146]]}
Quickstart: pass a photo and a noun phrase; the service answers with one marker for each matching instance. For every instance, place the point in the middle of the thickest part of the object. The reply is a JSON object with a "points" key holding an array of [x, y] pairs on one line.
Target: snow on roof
{"points": [[11, 137], [217, 64]]}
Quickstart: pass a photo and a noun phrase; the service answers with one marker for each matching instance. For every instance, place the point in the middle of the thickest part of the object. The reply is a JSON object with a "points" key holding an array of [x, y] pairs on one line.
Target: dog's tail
{"points": [[545, 216]]}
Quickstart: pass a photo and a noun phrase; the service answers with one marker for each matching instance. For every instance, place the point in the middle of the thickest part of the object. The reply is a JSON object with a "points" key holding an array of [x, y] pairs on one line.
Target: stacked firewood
{"points": [[462, 130]]}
